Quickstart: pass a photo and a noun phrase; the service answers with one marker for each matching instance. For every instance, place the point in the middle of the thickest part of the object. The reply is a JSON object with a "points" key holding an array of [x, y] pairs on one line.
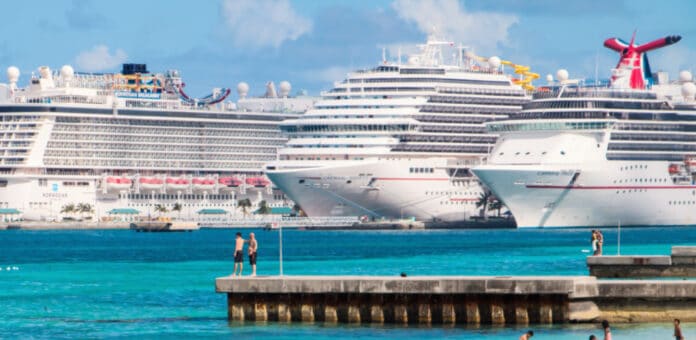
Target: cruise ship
{"points": [[135, 145], [397, 140], [590, 156]]}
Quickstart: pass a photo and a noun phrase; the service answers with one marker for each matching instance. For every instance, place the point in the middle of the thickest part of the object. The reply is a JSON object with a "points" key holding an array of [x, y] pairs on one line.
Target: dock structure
{"points": [[456, 299], [422, 300], [681, 263]]}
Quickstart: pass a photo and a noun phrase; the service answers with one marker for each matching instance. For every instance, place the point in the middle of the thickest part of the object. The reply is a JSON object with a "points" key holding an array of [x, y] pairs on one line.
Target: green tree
{"points": [[245, 204], [68, 209], [177, 207], [161, 209], [84, 208], [484, 200], [496, 205], [264, 209]]}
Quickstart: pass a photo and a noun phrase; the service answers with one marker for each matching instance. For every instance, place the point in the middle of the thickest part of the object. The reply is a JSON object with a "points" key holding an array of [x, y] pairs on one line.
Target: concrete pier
{"points": [[421, 300], [681, 263], [457, 299]]}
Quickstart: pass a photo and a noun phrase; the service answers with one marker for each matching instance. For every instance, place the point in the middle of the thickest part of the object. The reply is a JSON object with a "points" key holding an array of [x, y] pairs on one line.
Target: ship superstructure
{"points": [[126, 143], [397, 140], [581, 156]]}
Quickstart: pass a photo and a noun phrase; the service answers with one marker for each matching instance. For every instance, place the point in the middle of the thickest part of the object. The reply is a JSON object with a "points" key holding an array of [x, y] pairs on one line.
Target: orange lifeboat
{"points": [[118, 183], [203, 183], [230, 182], [673, 169], [177, 183], [258, 182], [150, 182]]}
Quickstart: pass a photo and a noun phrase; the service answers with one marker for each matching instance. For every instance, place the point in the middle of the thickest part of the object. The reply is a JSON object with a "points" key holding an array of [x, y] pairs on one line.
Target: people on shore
{"points": [[528, 335], [253, 250], [677, 330], [607, 330], [238, 255]]}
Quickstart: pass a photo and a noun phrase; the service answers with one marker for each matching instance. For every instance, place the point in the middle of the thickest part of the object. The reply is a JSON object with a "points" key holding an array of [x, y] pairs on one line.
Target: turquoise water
{"points": [[123, 284]]}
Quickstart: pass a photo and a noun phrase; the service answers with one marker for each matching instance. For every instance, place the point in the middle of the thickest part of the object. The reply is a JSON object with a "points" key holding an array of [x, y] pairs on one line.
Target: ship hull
{"points": [[381, 188], [598, 194]]}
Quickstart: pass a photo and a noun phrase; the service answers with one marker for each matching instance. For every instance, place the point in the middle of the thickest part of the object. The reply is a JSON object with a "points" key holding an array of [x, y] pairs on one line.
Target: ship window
{"points": [[500, 154], [562, 152]]}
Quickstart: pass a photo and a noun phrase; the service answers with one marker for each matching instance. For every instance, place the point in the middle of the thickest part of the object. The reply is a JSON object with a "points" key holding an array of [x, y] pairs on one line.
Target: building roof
{"points": [[212, 211], [9, 211], [278, 211], [124, 211]]}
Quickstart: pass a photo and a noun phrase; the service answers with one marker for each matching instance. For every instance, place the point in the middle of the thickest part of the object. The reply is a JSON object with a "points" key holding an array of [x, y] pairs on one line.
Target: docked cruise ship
{"points": [[397, 140], [580, 156], [134, 142]]}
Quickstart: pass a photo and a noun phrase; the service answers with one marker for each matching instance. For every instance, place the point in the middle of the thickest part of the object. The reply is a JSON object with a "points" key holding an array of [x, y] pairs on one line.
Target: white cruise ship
{"points": [[397, 141], [132, 145], [590, 156]]}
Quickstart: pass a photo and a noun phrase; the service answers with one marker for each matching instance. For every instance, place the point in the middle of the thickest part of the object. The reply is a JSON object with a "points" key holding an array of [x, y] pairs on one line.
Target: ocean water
{"points": [[123, 284]]}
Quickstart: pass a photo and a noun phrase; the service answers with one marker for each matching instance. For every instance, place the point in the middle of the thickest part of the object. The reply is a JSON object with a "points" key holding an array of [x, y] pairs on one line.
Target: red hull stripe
{"points": [[410, 179], [610, 187]]}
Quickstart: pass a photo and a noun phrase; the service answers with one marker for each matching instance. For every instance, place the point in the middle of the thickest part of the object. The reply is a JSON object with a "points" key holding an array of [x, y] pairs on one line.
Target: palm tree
{"points": [[496, 204], [264, 209], [244, 204], [84, 208], [484, 199], [161, 209], [68, 209], [177, 207]]}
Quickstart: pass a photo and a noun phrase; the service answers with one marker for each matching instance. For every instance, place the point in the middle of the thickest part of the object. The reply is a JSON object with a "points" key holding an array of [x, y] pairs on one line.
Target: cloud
{"points": [[99, 59], [329, 74], [255, 24], [482, 30]]}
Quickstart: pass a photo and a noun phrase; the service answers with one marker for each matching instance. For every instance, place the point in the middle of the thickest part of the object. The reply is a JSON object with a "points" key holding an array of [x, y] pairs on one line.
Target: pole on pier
{"points": [[618, 240], [280, 246]]}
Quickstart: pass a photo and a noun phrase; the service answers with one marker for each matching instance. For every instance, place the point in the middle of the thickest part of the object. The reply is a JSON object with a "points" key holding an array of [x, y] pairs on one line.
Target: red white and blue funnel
{"points": [[633, 69]]}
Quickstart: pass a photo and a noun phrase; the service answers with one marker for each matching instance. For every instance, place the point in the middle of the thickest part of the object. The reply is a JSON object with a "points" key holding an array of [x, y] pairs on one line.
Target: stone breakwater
{"points": [[456, 300]]}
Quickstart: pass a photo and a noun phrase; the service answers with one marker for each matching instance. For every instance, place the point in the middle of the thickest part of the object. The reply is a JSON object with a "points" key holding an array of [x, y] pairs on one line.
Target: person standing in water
{"points": [[253, 249], [677, 330], [607, 330], [238, 254], [527, 336]]}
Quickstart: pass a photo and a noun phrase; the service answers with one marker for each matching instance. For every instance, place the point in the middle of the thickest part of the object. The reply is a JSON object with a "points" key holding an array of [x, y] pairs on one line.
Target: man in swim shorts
{"points": [[238, 254], [253, 248]]}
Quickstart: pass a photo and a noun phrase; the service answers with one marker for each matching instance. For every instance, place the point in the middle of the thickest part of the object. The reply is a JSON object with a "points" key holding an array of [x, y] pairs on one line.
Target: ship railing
{"points": [[593, 92]]}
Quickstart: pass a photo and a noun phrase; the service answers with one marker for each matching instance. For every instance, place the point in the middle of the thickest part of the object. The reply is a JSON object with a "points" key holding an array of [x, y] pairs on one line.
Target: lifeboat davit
{"points": [[673, 169], [229, 182], [177, 183], [258, 182], [203, 183], [150, 183], [118, 183]]}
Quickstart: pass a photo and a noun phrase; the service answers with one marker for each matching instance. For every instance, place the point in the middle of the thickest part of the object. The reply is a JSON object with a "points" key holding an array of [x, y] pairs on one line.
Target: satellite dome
{"points": [[688, 90], [685, 76], [562, 75], [67, 72], [494, 62], [413, 60], [45, 72], [285, 88], [242, 89], [549, 78], [12, 74]]}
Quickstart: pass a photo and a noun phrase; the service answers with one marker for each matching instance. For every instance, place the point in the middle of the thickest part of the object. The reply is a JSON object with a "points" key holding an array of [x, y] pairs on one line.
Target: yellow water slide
{"points": [[526, 76]]}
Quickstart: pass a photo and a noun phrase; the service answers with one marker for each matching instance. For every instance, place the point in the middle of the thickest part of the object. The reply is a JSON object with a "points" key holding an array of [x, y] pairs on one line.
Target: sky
{"points": [[312, 43]]}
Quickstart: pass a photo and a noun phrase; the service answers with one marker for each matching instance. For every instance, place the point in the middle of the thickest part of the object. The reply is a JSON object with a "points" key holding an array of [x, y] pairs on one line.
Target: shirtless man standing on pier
{"points": [[238, 254], [253, 249]]}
